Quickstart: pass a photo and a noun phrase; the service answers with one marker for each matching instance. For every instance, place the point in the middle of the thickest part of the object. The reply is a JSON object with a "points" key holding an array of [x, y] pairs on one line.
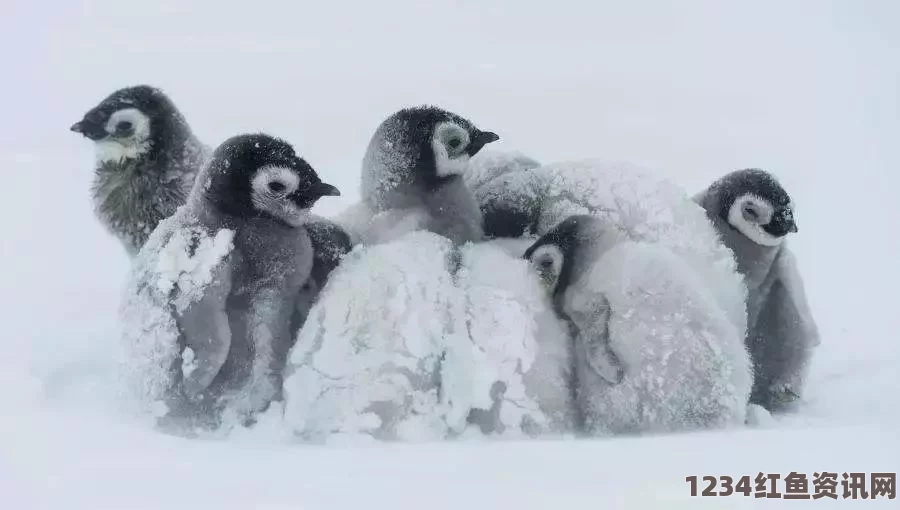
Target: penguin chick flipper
{"points": [[802, 317], [330, 243], [783, 347], [600, 357], [206, 331]]}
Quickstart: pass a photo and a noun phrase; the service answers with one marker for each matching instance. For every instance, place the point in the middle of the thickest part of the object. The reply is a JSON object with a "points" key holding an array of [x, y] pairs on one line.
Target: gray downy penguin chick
{"points": [[753, 215], [147, 159], [653, 350], [231, 265], [414, 167]]}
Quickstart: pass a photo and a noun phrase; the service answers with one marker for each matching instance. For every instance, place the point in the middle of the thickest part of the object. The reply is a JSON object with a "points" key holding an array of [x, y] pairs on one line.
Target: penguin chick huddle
{"points": [[468, 292]]}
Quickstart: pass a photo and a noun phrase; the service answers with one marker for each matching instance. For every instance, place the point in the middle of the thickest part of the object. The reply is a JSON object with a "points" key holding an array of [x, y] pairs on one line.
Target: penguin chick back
{"points": [[685, 365], [380, 350]]}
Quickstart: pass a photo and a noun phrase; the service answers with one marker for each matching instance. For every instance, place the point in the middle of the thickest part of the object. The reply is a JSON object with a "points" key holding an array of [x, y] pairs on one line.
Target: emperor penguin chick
{"points": [[753, 215], [147, 159], [412, 174], [653, 350], [215, 290]]}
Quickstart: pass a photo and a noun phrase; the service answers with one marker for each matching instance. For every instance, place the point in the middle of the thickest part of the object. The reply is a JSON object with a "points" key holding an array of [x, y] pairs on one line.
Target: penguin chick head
{"points": [[753, 202], [425, 146], [256, 175], [130, 123], [569, 248]]}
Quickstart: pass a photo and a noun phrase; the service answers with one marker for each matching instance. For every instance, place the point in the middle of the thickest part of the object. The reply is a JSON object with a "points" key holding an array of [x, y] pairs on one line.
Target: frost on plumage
{"points": [[684, 359], [489, 164], [522, 375], [187, 261], [168, 274], [367, 227], [642, 204], [382, 353]]}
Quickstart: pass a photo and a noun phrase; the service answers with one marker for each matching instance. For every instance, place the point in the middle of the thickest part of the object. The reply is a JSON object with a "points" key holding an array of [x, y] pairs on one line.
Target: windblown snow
{"points": [[806, 89]]}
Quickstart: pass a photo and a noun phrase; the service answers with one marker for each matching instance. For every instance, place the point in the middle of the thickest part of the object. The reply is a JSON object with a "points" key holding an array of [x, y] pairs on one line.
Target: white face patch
{"points": [[748, 214], [449, 144], [129, 136], [548, 261], [270, 189]]}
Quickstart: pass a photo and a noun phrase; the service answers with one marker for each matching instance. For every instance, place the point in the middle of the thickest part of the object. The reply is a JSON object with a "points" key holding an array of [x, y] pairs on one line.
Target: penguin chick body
{"points": [[147, 160], [383, 352], [653, 350], [208, 313], [753, 215]]}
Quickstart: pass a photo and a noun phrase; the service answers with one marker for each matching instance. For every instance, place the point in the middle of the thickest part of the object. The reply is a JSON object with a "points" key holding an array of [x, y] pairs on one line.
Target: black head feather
{"points": [[762, 184], [168, 128], [413, 128], [227, 183], [570, 236]]}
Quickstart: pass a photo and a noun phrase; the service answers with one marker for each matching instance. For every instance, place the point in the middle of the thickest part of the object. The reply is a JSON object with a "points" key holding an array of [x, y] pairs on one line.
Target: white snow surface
{"points": [[805, 89]]}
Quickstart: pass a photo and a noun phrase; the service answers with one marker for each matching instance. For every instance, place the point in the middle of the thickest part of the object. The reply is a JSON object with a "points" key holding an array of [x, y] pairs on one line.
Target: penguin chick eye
{"points": [[452, 137], [750, 213], [274, 182], [129, 123]]}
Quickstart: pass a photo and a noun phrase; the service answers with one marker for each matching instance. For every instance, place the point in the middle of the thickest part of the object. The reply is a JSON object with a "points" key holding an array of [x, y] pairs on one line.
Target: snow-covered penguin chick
{"points": [[653, 350], [412, 174], [147, 159], [215, 290], [753, 215]]}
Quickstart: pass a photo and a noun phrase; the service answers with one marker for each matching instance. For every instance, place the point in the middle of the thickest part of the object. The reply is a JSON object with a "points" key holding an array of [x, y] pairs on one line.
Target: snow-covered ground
{"points": [[806, 89]]}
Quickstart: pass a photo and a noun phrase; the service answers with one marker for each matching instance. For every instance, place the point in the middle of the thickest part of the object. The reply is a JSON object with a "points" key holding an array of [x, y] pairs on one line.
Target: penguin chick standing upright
{"points": [[412, 173], [654, 351], [753, 215], [222, 278], [147, 159]]}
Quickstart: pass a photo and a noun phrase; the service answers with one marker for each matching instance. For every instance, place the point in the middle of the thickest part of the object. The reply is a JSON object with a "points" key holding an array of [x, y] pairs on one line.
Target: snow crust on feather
{"points": [[522, 376], [367, 227], [643, 205], [489, 164], [169, 273], [383, 353], [685, 364]]}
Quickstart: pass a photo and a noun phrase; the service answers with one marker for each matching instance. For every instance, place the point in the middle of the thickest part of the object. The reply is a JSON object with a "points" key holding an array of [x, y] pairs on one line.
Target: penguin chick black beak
{"points": [[323, 189], [479, 140], [89, 129]]}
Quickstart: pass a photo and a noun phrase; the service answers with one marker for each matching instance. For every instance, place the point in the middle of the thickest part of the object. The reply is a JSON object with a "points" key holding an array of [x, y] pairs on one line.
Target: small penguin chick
{"points": [[256, 192], [147, 159], [561, 257], [754, 214], [415, 162], [652, 349]]}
